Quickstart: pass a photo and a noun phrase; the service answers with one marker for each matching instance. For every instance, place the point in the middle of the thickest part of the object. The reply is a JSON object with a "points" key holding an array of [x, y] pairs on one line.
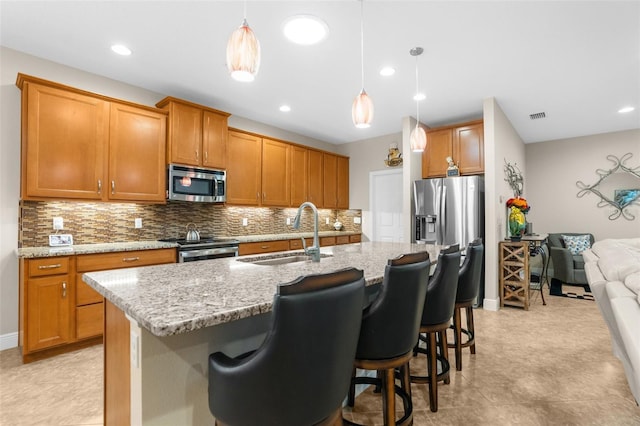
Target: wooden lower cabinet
{"points": [[58, 311], [294, 244], [263, 247], [117, 371], [342, 239]]}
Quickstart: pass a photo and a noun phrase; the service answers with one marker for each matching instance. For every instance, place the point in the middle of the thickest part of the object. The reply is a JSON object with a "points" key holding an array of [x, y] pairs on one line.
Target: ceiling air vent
{"points": [[537, 115]]}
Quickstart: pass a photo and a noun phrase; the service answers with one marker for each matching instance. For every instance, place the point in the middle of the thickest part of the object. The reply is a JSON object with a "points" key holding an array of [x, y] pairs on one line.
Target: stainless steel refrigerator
{"points": [[449, 210]]}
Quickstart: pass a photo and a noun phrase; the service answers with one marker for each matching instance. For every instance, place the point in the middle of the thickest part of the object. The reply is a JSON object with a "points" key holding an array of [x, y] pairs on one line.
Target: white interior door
{"points": [[385, 199]]}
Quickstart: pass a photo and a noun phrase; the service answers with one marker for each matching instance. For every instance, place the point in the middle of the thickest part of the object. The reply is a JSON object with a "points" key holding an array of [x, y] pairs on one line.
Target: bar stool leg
{"points": [[457, 336], [389, 399], [445, 351], [432, 369], [471, 329]]}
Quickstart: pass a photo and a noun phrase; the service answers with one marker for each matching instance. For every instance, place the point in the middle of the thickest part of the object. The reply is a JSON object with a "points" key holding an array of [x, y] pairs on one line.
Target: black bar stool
{"points": [[388, 333], [469, 281], [301, 372], [436, 317]]}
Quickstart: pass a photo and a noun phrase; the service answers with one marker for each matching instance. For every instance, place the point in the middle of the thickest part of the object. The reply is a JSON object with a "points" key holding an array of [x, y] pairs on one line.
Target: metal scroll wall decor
{"points": [[514, 178], [619, 203]]}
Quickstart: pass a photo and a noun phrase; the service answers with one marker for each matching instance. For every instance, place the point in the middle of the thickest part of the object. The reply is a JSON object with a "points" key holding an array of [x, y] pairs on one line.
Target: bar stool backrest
{"points": [[443, 285], [470, 273]]}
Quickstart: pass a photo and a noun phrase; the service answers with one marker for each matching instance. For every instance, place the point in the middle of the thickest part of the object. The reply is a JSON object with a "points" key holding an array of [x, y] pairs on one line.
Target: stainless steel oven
{"points": [[206, 248]]}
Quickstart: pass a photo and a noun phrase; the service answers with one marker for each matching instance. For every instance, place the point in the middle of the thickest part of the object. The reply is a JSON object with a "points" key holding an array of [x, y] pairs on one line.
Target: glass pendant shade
{"points": [[362, 110], [243, 53], [418, 139]]}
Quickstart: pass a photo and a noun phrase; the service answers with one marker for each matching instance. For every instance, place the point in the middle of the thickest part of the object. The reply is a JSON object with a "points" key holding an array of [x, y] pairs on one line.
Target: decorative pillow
{"points": [[633, 283], [577, 243]]}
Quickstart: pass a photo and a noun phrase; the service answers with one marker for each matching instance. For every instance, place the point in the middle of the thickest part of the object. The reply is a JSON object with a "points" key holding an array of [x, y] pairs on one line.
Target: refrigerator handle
{"points": [[443, 214]]}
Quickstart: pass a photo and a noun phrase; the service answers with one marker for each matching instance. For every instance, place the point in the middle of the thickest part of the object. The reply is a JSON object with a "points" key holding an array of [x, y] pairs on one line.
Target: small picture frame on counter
{"points": [[60, 240]]}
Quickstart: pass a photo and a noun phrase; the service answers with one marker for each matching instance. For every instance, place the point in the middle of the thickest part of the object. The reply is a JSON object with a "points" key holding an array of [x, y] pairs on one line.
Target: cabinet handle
{"points": [[56, 265], [99, 186], [257, 195], [264, 247], [206, 156], [264, 195], [197, 154], [113, 187], [130, 259], [64, 289]]}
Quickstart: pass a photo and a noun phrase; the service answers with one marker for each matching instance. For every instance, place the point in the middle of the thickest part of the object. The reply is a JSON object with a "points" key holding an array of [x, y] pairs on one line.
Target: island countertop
{"points": [[177, 298]]}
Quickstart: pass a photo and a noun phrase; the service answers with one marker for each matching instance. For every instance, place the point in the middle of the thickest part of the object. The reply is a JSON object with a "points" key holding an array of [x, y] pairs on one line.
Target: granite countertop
{"points": [[178, 298], [45, 251], [33, 252]]}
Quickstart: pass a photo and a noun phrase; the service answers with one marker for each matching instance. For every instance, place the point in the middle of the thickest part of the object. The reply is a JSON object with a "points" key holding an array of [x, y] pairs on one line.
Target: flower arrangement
{"points": [[517, 206]]}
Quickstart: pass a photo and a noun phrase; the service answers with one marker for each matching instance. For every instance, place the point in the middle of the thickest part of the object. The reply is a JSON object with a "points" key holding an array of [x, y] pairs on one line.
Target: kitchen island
{"points": [[162, 322]]}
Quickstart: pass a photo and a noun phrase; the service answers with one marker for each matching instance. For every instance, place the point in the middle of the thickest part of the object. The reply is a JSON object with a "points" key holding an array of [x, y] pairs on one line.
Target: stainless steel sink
{"points": [[271, 260]]}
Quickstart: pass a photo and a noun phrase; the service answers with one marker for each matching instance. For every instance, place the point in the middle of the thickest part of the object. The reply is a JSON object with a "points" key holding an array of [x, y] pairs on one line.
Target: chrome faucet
{"points": [[314, 251]]}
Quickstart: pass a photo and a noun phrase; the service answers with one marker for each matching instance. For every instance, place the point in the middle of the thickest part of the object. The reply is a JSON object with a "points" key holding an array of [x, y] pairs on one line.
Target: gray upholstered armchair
{"points": [[567, 267]]}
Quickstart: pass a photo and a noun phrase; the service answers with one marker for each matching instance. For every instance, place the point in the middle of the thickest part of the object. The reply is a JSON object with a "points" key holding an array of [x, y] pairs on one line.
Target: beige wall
{"points": [[11, 63], [501, 143], [554, 167]]}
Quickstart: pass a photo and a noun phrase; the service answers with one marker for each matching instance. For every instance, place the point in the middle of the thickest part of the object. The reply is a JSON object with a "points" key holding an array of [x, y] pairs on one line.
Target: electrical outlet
{"points": [[58, 223], [326, 221], [245, 221], [134, 348], [288, 221], [357, 220], [137, 222]]}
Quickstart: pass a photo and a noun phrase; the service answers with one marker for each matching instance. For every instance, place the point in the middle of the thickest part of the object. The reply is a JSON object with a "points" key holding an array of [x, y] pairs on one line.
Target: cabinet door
{"points": [[315, 186], [329, 180], [276, 173], [439, 147], [342, 183], [136, 154], [244, 171], [64, 143], [185, 134], [299, 175], [468, 148], [48, 307], [214, 140]]}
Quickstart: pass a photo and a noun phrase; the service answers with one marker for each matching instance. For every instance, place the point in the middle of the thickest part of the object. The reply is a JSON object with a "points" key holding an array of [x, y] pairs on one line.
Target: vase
{"points": [[517, 224]]}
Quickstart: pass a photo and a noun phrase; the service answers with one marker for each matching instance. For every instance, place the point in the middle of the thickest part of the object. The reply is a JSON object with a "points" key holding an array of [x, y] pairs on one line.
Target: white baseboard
{"points": [[8, 341], [491, 304]]}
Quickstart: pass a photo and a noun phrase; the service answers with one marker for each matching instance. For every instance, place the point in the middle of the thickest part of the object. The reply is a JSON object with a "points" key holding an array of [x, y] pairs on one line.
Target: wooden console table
{"points": [[514, 274]]}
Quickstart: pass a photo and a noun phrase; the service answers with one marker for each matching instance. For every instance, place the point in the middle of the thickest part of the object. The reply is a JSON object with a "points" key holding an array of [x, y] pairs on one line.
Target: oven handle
{"points": [[207, 252]]}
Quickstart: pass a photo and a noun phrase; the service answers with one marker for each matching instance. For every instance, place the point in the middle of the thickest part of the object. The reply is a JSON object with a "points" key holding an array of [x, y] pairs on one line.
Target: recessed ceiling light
{"points": [[419, 97], [121, 49], [387, 71], [626, 109], [285, 108], [305, 29]]}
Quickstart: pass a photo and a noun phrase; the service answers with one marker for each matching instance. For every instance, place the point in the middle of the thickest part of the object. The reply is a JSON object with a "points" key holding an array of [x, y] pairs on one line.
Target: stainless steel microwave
{"points": [[187, 183]]}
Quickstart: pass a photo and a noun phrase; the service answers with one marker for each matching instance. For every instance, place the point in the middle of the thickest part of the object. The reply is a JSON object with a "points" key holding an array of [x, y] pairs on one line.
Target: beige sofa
{"points": [[613, 271]]}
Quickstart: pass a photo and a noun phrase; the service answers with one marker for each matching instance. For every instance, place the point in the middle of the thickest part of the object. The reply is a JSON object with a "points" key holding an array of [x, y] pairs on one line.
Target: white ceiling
{"points": [[579, 62]]}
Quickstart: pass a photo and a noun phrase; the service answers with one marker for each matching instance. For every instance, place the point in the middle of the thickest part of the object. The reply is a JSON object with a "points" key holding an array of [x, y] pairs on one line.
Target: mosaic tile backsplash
{"points": [[91, 223]]}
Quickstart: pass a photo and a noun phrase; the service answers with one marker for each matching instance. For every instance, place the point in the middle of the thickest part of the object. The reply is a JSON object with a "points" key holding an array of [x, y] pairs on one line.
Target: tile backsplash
{"points": [[91, 223]]}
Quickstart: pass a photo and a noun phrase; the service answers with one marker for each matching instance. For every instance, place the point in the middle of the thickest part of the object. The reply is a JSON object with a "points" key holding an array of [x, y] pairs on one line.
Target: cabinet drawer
{"points": [[342, 239], [89, 320], [297, 244], [263, 247], [48, 266], [85, 295], [355, 238], [124, 259], [327, 241]]}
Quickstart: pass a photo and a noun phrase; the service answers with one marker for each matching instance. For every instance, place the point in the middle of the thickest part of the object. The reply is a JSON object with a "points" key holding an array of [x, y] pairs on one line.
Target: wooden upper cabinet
{"points": [[276, 173], [464, 143], [136, 154], [329, 179], [299, 175], [80, 145], [342, 182], [196, 135], [315, 185], [468, 148], [244, 168], [439, 147], [64, 136]]}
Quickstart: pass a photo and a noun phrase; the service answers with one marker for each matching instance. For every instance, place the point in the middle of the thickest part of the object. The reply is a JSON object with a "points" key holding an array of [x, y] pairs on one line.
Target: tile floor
{"points": [[551, 365]]}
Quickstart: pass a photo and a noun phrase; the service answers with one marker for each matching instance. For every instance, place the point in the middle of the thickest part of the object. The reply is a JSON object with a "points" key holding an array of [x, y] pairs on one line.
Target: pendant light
{"points": [[418, 136], [362, 108], [243, 52]]}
